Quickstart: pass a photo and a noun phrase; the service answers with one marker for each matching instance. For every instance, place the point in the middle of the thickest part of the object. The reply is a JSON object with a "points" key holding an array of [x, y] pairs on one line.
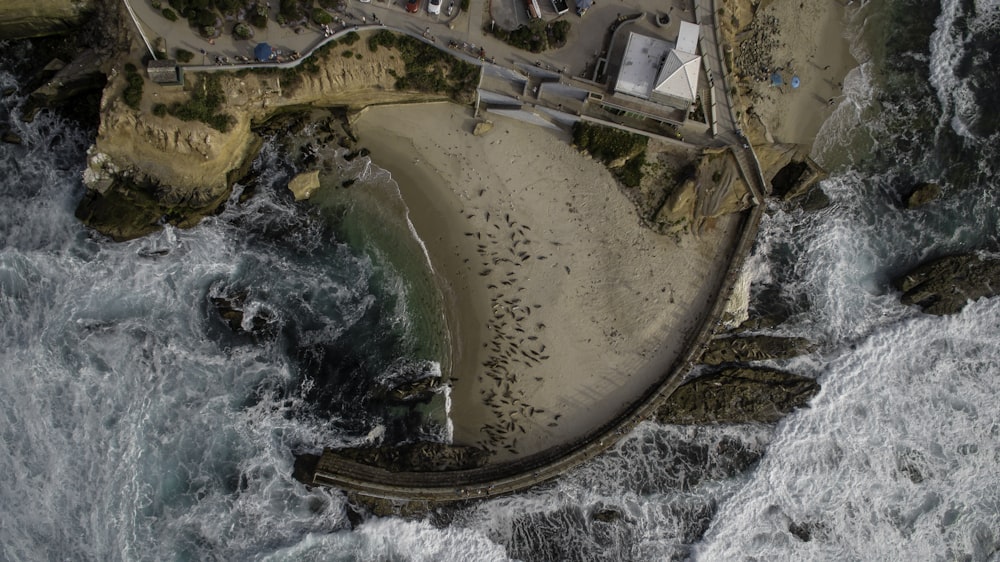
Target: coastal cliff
{"points": [[126, 167]]}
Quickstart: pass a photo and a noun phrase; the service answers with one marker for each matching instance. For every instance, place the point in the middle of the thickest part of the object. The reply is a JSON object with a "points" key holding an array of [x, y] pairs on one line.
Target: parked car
{"points": [[434, 7], [412, 6]]}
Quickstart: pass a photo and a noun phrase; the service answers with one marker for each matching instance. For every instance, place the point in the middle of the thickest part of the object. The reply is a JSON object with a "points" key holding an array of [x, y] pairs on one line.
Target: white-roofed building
{"points": [[678, 79], [643, 57], [687, 38], [655, 70]]}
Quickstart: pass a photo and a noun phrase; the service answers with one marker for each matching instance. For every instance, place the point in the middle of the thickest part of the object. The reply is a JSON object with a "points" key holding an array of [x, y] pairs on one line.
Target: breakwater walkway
{"points": [[498, 479]]}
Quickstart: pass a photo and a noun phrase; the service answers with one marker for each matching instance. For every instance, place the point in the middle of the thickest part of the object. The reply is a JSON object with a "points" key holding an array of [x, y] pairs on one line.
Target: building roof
{"points": [[687, 37], [163, 71], [643, 57], [679, 76]]}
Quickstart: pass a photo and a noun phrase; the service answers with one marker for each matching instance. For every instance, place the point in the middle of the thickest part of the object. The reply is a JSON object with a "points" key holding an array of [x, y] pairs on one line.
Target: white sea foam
{"points": [[894, 460], [948, 47]]}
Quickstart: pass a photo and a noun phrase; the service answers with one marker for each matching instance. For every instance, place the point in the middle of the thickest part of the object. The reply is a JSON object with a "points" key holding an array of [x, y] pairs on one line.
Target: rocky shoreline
{"points": [[131, 194]]}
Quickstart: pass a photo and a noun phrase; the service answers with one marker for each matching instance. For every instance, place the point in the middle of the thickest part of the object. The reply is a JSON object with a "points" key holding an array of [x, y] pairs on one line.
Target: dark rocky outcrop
{"points": [[815, 200], [737, 395], [922, 194], [418, 457], [606, 515], [738, 349], [232, 311], [945, 285], [126, 211], [69, 86], [796, 179], [10, 137], [416, 391]]}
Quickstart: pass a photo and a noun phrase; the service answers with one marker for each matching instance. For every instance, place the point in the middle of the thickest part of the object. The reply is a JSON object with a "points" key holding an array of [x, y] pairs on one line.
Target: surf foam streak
{"points": [[870, 477]]}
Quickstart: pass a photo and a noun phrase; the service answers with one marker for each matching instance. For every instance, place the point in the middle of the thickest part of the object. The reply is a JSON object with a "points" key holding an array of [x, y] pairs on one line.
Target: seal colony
{"points": [[564, 308], [568, 315]]}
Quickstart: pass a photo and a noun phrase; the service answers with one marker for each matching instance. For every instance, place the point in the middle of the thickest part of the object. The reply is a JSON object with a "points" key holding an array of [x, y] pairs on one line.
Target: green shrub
{"points": [[242, 31], [350, 39], [321, 16], [183, 55], [347, 54], [205, 18], [208, 31], [169, 14], [607, 144], [631, 173], [260, 21], [156, 4], [227, 6], [464, 5], [206, 98], [133, 88], [382, 37], [289, 9], [560, 31], [159, 110]]}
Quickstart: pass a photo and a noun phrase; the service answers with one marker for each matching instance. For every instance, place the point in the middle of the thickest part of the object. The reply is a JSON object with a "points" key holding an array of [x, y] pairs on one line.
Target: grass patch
{"points": [[206, 98]]}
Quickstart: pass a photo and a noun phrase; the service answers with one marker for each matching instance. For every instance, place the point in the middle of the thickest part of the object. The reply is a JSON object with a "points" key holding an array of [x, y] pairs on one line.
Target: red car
{"points": [[412, 6]]}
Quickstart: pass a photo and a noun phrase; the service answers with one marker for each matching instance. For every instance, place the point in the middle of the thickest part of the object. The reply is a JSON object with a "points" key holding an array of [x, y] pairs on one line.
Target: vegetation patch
{"points": [[611, 146], [183, 55], [428, 69], [206, 98], [133, 89], [350, 39], [535, 36]]}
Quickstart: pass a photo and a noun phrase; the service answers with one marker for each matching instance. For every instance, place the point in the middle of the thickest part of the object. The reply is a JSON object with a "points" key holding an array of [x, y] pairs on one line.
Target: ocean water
{"points": [[136, 426]]}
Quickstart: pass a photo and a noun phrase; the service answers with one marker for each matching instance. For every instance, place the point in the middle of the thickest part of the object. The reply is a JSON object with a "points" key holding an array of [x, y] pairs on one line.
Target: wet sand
{"points": [[563, 309]]}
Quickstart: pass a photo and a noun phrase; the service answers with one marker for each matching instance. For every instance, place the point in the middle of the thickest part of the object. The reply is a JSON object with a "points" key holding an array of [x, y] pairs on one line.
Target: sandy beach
{"points": [[811, 44], [563, 308]]}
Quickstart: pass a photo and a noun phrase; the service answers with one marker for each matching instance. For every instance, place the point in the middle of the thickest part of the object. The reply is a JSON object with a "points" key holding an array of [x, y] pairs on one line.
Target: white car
{"points": [[434, 7]]}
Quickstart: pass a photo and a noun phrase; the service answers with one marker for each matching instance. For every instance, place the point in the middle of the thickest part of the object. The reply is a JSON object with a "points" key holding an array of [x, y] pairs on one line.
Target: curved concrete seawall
{"points": [[491, 480]]}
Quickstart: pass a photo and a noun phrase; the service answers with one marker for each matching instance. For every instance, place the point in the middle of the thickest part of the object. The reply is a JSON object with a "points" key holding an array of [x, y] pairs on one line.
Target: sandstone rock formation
{"points": [[127, 164], [945, 285], [715, 189], [303, 185]]}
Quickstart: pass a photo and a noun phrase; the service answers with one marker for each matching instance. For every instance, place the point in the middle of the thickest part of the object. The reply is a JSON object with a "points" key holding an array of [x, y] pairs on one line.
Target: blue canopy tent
{"points": [[263, 52], [795, 81], [776, 79], [582, 6]]}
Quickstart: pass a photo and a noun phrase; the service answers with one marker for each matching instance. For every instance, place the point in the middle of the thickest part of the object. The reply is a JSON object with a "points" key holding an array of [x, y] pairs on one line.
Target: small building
{"points": [[677, 83], [659, 71], [687, 38], [164, 71]]}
